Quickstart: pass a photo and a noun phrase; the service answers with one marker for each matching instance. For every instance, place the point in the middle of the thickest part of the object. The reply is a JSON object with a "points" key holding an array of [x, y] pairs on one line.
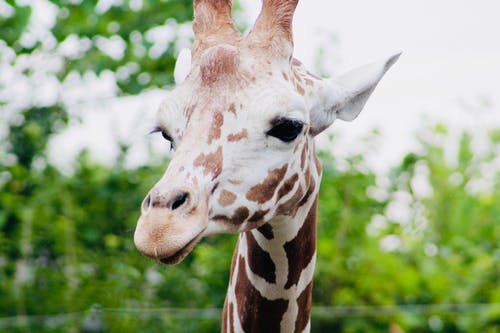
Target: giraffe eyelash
{"points": [[156, 129], [165, 135]]}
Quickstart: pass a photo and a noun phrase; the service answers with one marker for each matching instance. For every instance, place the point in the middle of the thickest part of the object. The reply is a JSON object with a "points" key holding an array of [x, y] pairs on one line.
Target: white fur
{"points": [[345, 96], [182, 66]]}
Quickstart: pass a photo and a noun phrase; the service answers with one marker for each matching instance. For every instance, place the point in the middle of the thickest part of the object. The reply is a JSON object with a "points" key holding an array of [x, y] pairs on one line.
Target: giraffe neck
{"points": [[270, 288]]}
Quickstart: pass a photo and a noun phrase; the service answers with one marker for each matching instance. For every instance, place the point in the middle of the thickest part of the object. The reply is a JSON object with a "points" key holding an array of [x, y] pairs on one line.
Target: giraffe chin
{"points": [[178, 256], [169, 238]]}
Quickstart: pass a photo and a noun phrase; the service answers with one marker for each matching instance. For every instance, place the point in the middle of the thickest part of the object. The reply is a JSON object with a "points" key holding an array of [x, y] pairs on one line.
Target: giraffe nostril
{"points": [[178, 201], [146, 204]]}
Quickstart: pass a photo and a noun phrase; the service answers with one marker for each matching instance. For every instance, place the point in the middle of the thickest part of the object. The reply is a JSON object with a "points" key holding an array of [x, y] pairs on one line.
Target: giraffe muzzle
{"points": [[180, 200], [170, 225]]}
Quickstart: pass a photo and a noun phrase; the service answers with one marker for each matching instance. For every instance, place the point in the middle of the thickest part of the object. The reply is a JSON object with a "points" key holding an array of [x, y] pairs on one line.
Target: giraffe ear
{"points": [[182, 66], [345, 96]]}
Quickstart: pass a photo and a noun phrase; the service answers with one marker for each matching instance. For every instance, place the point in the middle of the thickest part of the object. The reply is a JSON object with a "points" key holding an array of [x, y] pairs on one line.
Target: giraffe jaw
{"points": [[178, 256]]}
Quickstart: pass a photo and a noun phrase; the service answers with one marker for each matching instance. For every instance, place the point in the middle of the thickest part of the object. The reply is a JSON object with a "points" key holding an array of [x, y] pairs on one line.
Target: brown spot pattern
{"points": [[239, 216], [256, 313], [189, 110], [232, 109], [219, 63], [296, 62], [287, 186], [258, 215], [215, 129], [303, 157], [260, 261], [300, 90], [309, 82], [231, 317], [267, 231], [304, 303], [290, 206], [238, 136], [301, 249], [310, 190], [211, 163], [265, 191], [226, 198], [235, 181], [297, 77], [317, 162], [284, 76], [216, 186]]}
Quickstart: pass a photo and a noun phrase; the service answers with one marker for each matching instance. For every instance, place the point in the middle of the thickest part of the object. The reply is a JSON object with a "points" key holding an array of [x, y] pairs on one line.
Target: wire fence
{"points": [[96, 313]]}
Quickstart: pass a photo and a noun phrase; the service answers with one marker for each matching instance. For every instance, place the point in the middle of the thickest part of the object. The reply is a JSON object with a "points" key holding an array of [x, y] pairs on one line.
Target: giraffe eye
{"points": [[285, 129], [165, 135]]}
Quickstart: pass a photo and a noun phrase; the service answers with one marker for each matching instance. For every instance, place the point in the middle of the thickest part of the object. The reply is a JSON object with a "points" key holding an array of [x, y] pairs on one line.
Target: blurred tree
{"points": [[431, 238]]}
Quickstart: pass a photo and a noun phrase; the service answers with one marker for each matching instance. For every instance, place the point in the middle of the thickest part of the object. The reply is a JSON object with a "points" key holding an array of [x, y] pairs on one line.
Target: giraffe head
{"points": [[242, 124]]}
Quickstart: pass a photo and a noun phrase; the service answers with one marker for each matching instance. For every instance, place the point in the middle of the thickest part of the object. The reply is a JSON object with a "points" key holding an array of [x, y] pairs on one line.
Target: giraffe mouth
{"points": [[183, 252]]}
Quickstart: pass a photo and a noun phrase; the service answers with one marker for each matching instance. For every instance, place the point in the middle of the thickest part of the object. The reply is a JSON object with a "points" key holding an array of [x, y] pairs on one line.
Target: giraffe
{"points": [[242, 122]]}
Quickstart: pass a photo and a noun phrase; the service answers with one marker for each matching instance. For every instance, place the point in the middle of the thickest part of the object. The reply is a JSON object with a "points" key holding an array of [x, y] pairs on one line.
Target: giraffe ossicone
{"points": [[242, 120]]}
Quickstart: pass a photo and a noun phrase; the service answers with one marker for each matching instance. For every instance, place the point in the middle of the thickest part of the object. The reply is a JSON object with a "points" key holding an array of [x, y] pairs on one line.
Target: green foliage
{"points": [[67, 244], [127, 24], [29, 139], [447, 252], [135, 40], [13, 26]]}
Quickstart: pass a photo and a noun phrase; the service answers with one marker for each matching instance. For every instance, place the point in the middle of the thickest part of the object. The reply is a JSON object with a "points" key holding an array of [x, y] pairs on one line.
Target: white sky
{"points": [[451, 57], [450, 65]]}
